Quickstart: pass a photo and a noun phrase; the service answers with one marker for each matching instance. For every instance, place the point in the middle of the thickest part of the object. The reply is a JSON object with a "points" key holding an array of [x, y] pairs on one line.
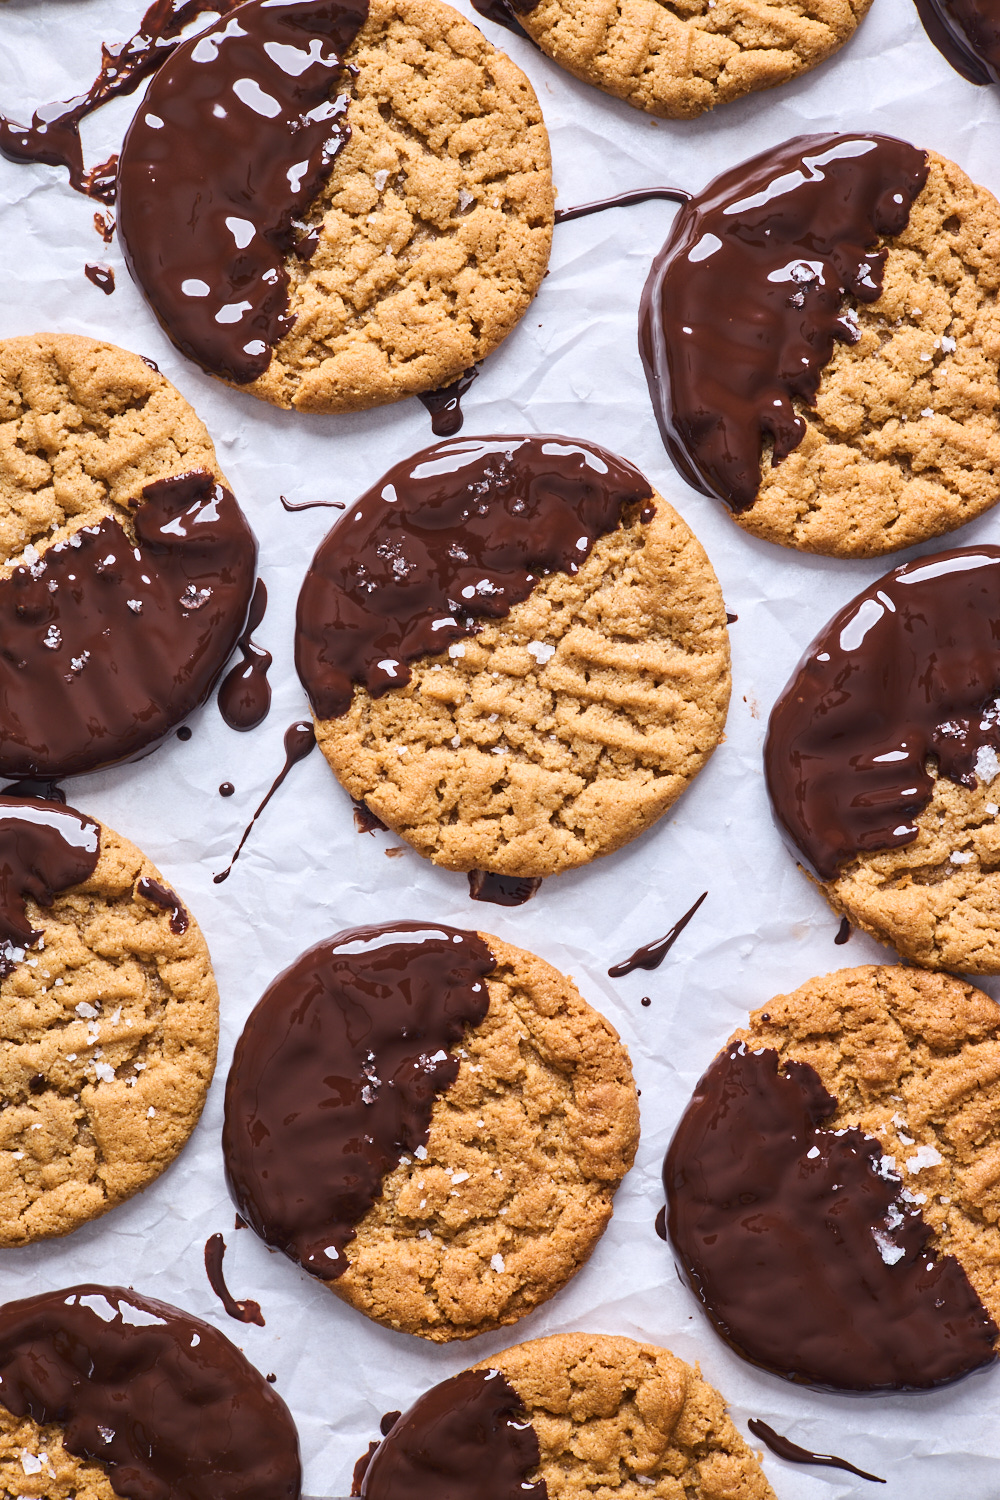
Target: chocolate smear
{"points": [[906, 676], [162, 1400], [502, 890], [105, 226], [468, 1438], [245, 693], [160, 895], [843, 932], [651, 955], [108, 641], [312, 504], [247, 1311], [300, 741], [745, 301], [44, 848], [235, 138], [622, 200], [101, 276], [967, 34], [335, 1077], [784, 1448], [801, 1244], [457, 534], [445, 405], [365, 820]]}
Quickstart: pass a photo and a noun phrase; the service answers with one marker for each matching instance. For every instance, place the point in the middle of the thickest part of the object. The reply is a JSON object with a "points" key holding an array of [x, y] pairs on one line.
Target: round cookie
{"points": [[832, 1187], [126, 566], [571, 706], [463, 1168], [862, 417], [412, 238], [110, 1014], [574, 1414]]}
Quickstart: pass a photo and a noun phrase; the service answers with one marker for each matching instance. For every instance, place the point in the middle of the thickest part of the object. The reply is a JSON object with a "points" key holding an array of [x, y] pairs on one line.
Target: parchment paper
{"points": [[571, 367]]}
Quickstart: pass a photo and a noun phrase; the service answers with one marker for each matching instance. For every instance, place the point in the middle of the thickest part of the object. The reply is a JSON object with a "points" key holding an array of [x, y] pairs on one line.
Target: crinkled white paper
{"points": [[572, 367]]}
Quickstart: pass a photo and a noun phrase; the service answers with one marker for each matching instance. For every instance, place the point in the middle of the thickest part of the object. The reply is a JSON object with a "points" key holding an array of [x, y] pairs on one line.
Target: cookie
{"points": [[965, 32], [399, 216], [677, 62], [432, 1122], [515, 652], [126, 566], [575, 1414], [831, 1188], [881, 754], [821, 339], [110, 1019], [104, 1392]]}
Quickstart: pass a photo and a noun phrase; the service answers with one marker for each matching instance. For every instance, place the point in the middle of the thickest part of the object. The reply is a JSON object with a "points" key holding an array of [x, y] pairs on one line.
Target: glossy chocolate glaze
{"points": [[622, 200], [246, 1311], [45, 847], [245, 693], [299, 741], [107, 643], [445, 405], [502, 890], [335, 1077], [651, 955], [102, 277], [502, 14], [163, 1401], [800, 1244], [457, 534], [784, 1448], [745, 301], [237, 134], [967, 33], [907, 671], [161, 895], [466, 1439]]}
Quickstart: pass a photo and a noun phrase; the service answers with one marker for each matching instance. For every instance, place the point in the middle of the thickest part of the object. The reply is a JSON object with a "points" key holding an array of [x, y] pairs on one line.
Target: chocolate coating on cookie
{"points": [[164, 1401], [800, 1245], [335, 1077], [744, 303], [907, 671], [107, 644], [466, 1439], [44, 848], [457, 534], [236, 135], [967, 33]]}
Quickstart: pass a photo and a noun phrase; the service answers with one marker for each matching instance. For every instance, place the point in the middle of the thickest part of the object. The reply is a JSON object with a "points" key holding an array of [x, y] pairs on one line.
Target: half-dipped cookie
{"points": [[126, 565], [515, 652], [821, 338], [336, 205], [430, 1121], [881, 754], [104, 1392], [109, 1014], [556, 1418], [832, 1186]]}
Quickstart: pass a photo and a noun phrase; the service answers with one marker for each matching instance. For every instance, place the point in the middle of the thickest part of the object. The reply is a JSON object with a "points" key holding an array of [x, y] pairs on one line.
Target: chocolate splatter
{"points": [[312, 504], [245, 693], [44, 848], [445, 405], [246, 1311], [160, 895], [645, 1000], [365, 820], [785, 1448], [300, 739], [184, 733], [101, 276], [660, 1222], [731, 619], [502, 890], [105, 226], [226, 789], [651, 955], [621, 200], [843, 931]]}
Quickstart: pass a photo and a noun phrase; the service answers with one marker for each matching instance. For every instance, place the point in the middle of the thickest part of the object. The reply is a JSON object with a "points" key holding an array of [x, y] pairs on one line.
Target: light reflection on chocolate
{"points": [[967, 33], [245, 693], [651, 955]]}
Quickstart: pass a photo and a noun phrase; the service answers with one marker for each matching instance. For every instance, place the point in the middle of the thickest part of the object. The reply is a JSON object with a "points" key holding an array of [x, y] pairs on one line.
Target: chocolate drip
{"points": [[312, 504], [106, 643], [44, 848], [101, 276], [466, 1439], [906, 673], [800, 1244], [246, 108], [161, 1400], [502, 14], [365, 820], [651, 955], [457, 534], [445, 405], [31, 786], [388, 1421], [105, 227], [160, 895], [245, 693], [784, 1448], [622, 200], [502, 890], [335, 1077], [843, 932], [300, 740], [247, 1311], [967, 34], [660, 1222], [745, 301]]}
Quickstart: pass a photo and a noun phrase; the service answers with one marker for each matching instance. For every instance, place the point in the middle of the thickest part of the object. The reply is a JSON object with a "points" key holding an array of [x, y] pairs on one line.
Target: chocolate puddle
{"points": [[106, 643], [457, 534], [44, 848], [465, 1439], [312, 504], [161, 896], [160, 1399], [246, 1311], [967, 34], [502, 890], [784, 1448], [245, 693], [445, 405], [249, 108], [335, 1077], [31, 786], [744, 303], [300, 740], [906, 672], [800, 1243], [651, 955], [102, 277], [622, 200]]}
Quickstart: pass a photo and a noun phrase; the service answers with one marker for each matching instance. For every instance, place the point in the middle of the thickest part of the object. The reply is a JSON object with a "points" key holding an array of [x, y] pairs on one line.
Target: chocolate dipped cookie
{"points": [[967, 33], [430, 1121]]}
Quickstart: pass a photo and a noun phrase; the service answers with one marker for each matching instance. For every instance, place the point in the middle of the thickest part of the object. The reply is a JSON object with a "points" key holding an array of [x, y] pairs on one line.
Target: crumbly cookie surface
{"points": [[109, 1038], [616, 1417], [562, 731], [35, 1465], [83, 426], [681, 58], [435, 224], [904, 441], [525, 1152], [913, 1059]]}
